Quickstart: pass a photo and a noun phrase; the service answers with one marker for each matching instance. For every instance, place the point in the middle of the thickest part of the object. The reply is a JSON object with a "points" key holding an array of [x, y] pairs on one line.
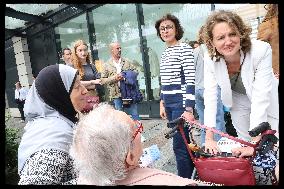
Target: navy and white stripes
{"points": [[178, 76]]}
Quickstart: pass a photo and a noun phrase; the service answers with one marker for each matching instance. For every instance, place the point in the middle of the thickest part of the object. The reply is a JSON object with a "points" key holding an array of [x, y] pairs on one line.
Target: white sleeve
{"points": [[210, 92], [16, 94], [261, 89]]}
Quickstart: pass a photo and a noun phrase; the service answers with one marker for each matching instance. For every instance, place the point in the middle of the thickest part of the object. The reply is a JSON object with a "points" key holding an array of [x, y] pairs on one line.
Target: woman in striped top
{"points": [[177, 84]]}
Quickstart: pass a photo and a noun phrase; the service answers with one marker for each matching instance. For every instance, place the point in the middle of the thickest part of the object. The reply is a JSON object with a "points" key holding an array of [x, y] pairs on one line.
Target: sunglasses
{"points": [[139, 129]]}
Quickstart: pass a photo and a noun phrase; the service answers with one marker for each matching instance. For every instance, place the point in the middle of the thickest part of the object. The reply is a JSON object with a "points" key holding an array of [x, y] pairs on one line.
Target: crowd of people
{"points": [[224, 70]]}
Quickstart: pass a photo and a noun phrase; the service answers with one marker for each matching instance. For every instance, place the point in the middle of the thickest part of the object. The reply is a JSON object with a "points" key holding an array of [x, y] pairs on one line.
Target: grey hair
{"points": [[100, 145], [111, 45]]}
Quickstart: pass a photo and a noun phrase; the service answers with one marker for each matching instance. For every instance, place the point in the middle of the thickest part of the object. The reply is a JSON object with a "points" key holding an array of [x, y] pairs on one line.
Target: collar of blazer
{"points": [[112, 64]]}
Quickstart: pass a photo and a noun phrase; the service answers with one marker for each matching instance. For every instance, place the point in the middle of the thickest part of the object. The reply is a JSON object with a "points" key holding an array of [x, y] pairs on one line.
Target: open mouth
{"points": [[229, 48]]}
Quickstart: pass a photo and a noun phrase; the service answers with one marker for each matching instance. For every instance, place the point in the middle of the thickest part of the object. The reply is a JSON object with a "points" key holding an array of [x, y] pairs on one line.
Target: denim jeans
{"points": [[184, 163], [118, 104], [131, 110], [199, 105]]}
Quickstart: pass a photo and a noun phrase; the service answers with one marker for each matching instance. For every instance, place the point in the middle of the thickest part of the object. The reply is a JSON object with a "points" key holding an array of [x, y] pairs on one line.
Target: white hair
{"points": [[100, 145]]}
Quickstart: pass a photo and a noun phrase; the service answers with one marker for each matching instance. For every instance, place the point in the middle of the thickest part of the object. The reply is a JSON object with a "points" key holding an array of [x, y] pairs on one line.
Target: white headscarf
{"points": [[49, 111]]}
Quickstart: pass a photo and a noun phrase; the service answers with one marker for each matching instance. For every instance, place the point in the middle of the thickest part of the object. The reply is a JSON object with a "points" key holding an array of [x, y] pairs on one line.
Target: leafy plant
{"points": [[11, 155]]}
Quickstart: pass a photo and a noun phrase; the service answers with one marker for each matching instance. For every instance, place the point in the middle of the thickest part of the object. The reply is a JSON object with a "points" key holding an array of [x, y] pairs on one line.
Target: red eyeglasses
{"points": [[139, 129]]}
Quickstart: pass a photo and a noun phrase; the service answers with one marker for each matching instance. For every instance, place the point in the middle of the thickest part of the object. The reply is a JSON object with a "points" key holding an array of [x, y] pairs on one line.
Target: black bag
{"points": [[17, 101]]}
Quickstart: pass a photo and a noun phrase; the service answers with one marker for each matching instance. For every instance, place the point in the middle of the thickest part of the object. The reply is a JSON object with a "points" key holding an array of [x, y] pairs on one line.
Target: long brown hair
{"points": [[272, 11], [76, 61], [235, 22]]}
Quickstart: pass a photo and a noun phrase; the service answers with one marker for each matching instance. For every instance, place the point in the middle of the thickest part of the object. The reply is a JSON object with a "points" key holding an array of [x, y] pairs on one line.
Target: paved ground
{"points": [[154, 130]]}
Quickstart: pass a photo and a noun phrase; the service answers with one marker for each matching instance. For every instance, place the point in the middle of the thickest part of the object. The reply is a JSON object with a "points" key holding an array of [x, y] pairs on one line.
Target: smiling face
{"points": [[82, 52], [78, 95], [168, 32], [226, 40]]}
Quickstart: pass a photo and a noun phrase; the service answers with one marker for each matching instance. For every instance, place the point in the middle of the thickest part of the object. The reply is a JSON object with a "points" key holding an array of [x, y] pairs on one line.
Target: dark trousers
{"points": [[21, 109], [185, 165]]}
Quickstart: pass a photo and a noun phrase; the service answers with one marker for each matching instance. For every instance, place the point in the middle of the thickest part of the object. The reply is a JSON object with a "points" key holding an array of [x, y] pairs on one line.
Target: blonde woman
{"points": [[87, 70], [242, 68]]}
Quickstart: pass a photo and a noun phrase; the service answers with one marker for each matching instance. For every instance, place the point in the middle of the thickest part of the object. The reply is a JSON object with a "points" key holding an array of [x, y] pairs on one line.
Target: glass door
{"points": [[118, 22]]}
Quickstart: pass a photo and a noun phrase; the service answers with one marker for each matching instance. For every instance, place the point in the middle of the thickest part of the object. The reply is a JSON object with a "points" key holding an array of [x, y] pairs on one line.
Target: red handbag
{"points": [[92, 101], [230, 171]]}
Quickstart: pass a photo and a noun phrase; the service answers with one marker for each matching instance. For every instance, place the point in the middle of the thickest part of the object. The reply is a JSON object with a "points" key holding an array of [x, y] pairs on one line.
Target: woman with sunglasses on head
{"points": [[177, 85], [51, 108], [106, 150], [242, 68]]}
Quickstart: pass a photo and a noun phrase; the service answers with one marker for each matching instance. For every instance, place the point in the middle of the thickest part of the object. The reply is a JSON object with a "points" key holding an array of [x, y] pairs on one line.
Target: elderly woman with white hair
{"points": [[106, 150]]}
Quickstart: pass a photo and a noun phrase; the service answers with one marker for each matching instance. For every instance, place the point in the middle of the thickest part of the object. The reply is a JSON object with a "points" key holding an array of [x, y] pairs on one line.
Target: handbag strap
{"points": [[93, 70], [185, 141], [221, 133]]}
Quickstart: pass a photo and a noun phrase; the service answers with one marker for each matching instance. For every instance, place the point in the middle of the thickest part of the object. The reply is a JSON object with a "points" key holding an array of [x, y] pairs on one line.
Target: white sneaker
{"points": [[22, 121]]}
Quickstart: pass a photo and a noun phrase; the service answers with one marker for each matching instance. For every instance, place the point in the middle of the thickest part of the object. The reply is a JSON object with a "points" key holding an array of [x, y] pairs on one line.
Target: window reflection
{"points": [[118, 22], [68, 32]]}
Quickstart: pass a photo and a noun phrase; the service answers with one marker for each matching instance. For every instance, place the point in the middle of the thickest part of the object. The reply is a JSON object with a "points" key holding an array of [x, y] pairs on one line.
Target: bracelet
{"points": [[189, 110]]}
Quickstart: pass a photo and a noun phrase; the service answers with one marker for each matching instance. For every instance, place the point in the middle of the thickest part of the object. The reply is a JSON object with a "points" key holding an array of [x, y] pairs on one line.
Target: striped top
{"points": [[178, 76]]}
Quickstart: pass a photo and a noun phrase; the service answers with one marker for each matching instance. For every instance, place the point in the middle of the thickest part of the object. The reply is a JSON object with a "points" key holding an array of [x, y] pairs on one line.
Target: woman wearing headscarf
{"points": [[51, 108]]}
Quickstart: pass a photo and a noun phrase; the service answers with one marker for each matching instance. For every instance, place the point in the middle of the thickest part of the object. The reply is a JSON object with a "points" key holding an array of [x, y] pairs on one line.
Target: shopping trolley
{"points": [[223, 168]]}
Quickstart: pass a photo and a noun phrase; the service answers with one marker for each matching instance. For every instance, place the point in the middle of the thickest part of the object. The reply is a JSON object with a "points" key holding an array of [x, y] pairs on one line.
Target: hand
{"points": [[211, 146], [97, 81], [163, 113], [118, 77], [276, 74], [243, 151], [188, 115]]}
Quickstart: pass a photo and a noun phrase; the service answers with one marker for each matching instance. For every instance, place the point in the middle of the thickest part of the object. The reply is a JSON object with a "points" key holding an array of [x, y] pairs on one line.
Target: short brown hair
{"points": [[235, 22], [175, 20]]}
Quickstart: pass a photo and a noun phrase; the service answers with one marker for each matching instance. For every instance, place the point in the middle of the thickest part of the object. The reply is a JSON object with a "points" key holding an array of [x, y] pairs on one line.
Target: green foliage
{"points": [[7, 116], [11, 155]]}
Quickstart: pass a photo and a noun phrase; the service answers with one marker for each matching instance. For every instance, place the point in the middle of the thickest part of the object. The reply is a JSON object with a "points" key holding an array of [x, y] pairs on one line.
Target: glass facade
{"points": [[130, 24], [118, 22], [68, 32], [133, 26]]}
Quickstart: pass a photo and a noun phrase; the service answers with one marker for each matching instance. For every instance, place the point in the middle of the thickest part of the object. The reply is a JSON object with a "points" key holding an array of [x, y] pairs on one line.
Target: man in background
{"points": [[66, 55], [20, 97], [112, 75]]}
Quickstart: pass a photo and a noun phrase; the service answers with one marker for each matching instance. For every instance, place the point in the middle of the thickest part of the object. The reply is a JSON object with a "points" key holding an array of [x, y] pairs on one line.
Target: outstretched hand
{"points": [[243, 151], [211, 147]]}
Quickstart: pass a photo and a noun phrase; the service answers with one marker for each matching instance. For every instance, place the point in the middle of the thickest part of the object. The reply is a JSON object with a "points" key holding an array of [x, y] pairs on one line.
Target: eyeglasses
{"points": [[139, 129], [168, 27]]}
